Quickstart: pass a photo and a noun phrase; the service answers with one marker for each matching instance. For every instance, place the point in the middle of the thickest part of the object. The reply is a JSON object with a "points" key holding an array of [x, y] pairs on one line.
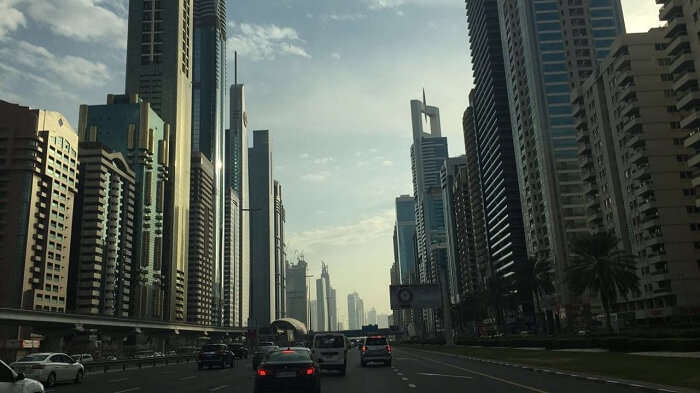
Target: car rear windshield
{"points": [[288, 356], [376, 341], [34, 358], [330, 342], [212, 348]]}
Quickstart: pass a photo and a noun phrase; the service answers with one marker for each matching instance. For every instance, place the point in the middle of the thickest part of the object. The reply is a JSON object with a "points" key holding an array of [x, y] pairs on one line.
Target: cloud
{"points": [[304, 155], [382, 4], [323, 160], [10, 17], [400, 13], [353, 234], [83, 20], [11, 76], [388, 163], [335, 55], [265, 42], [343, 17], [73, 71], [317, 177]]}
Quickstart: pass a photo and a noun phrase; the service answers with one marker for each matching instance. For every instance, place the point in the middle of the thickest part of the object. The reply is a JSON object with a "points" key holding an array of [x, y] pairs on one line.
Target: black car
{"points": [[215, 355], [240, 351], [290, 369], [261, 350]]}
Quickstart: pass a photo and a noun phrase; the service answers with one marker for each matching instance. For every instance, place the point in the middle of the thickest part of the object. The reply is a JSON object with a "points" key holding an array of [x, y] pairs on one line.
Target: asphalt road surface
{"points": [[412, 371]]}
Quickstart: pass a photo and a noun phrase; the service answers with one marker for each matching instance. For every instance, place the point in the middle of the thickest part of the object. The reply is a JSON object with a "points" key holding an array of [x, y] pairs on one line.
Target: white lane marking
{"points": [[410, 385], [404, 379], [118, 380], [530, 388], [399, 373], [128, 390], [186, 378], [444, 375], [396, 370], [218, 388]]}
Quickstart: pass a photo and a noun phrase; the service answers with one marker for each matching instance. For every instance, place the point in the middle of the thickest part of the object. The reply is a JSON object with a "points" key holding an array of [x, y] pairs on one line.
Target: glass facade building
{"points": [[405, 231]]}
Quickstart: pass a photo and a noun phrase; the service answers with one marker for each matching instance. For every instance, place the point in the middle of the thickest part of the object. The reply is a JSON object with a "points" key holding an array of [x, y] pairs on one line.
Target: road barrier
{"points": [[108, 365]]}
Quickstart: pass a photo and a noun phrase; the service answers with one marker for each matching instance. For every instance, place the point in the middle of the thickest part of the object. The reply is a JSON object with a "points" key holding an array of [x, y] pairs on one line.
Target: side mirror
{"points": [[20, 376]]}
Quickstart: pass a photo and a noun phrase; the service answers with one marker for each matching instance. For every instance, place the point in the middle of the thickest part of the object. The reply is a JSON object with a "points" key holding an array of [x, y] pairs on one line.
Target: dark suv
{"points": [[215, 354], [240, 351]]}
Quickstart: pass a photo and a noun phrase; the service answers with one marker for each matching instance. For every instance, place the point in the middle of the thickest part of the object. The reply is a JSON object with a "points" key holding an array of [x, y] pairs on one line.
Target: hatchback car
{"points": [[50, 368], [215, 355], [14, 382], [375, 349], [288, 370]]}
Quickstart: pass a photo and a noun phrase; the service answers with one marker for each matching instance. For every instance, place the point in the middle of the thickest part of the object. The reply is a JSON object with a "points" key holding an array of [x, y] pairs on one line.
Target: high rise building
{"points": [[38, 186], [372, 316], [405, 230], [353, 317], [208, 116], [129, 125], [551, 47], [231, 278], [448, 172], [495, 155], [637, 182], [332, 309], [313, 315], [101, 263], [428, 152], [321, 306], [236, 182], [159, 69], [280, 253], [202, 260], [360, 312], [262, 227], [297, 291]]}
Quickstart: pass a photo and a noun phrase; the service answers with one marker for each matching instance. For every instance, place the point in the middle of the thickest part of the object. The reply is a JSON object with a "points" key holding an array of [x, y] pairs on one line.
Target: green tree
{"points": [[601, 267], [535, 277]]}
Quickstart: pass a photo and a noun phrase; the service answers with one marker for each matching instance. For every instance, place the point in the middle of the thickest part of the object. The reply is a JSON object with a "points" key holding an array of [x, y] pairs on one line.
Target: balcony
{"points": [[652, 241], [655, 258], [590, 188], [680, 61], [675, 27], [628, 107], [632, 126], [587, 174], [692, 119], [639, 157], [694, 161], [626, 91], [586, 161], [685, 80], [584, 148], [625, 77], [679, 43], [688, 99], [640, 173], [693, 140], [671, 9], [649, 223], [582, 135], [643, 189], [647, 206]]}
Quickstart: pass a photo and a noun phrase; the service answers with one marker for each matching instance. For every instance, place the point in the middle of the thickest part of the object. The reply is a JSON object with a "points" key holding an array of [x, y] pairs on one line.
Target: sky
{"points": [[331, 80]]}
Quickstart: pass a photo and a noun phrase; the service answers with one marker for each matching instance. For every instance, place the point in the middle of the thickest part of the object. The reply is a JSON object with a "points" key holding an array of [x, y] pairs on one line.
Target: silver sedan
{"points": [[50, 368]]}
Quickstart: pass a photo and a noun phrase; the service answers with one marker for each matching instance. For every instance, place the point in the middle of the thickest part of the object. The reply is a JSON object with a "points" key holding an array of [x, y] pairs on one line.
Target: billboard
{"points": [[414, 296]]}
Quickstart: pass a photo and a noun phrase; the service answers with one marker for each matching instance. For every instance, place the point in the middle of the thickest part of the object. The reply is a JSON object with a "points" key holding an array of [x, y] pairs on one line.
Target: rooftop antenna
{"points": [[235, 68]]}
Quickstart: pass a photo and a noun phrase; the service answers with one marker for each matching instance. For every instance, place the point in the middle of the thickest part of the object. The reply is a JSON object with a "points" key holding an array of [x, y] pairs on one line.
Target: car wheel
{"points": [[363, 364], [51, 380], [79, 377]]}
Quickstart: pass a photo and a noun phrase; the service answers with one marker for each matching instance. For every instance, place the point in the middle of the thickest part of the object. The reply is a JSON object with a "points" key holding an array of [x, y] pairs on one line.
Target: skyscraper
{"points": [[495, 155], [280, 252], [313, 315], [297, 292], [231, 278], [128, 125], [159, 69], [262, 227], [332, 309], [448, 172], [353, 320], [101, 264], [551, 48], [405, 230], [428, 152], [372, 316], [321, 305], [208, 114], [360, 312], [236, 183], [39, 162], [202, 307]]}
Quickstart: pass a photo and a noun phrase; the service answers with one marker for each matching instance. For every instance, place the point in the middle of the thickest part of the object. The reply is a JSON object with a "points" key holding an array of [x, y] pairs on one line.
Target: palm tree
{"points": [[535, 277], [600, 266]]}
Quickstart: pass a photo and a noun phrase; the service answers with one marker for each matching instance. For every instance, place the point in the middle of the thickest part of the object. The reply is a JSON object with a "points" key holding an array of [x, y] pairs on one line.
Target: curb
{"points": [[602, 380]]}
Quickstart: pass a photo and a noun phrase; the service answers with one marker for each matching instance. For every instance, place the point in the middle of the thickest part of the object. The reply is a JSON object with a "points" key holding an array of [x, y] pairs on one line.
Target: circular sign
{"points": [[405, 295]]}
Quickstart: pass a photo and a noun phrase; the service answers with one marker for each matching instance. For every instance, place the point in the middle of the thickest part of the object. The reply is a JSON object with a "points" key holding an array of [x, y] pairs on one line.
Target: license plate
{"points": [[286, 374]]}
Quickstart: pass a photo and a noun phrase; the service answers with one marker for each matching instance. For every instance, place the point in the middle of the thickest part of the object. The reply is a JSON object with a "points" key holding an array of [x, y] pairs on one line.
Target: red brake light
{"points": [[364, 348], [287, 351], [262, 373], [388, 348], [309, 371]]}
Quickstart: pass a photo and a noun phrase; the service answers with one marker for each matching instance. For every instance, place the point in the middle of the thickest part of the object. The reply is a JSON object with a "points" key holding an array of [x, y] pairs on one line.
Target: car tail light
{"points": [[263, 372], [38, 366], [309, 371], [388, 348], [364, 348]]}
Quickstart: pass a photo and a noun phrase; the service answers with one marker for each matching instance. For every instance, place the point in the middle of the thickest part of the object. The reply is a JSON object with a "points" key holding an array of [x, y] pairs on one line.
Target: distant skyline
{"points": [[331, 80]]}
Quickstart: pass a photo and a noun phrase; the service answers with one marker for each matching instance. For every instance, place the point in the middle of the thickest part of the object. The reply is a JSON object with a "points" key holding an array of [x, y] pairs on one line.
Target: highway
{"points": [[412, 371]]}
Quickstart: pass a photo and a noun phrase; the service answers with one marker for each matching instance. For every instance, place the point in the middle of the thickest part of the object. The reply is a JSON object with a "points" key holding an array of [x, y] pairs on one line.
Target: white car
{"points": [[50, 368], [330, 351], [13, 382], [83, 358]]}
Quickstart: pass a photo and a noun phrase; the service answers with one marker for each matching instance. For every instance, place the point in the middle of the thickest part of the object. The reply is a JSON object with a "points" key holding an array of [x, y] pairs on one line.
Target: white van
{"points": [[330, 351]]}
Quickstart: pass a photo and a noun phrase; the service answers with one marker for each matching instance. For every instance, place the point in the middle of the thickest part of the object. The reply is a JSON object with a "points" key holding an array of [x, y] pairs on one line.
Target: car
{"points": [[171, 353], [158, 354], [111, 358], [261, 350], [14, 382], [83, 358], [330, 351], [240, 351], [147, 354], [214, 354], [375, 349], [50, 368], [291, 369]]}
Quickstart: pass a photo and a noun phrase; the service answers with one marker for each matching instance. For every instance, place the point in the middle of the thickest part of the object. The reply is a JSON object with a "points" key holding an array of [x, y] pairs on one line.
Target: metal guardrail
{"points": [[123, 365]]}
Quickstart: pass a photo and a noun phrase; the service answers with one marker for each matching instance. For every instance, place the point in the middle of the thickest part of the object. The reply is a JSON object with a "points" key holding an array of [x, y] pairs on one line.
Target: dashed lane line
{"points": [[186, 378], [218, 388], [412, 386], [404, 379], [128, 390], [444, 375], [118, 380]]}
